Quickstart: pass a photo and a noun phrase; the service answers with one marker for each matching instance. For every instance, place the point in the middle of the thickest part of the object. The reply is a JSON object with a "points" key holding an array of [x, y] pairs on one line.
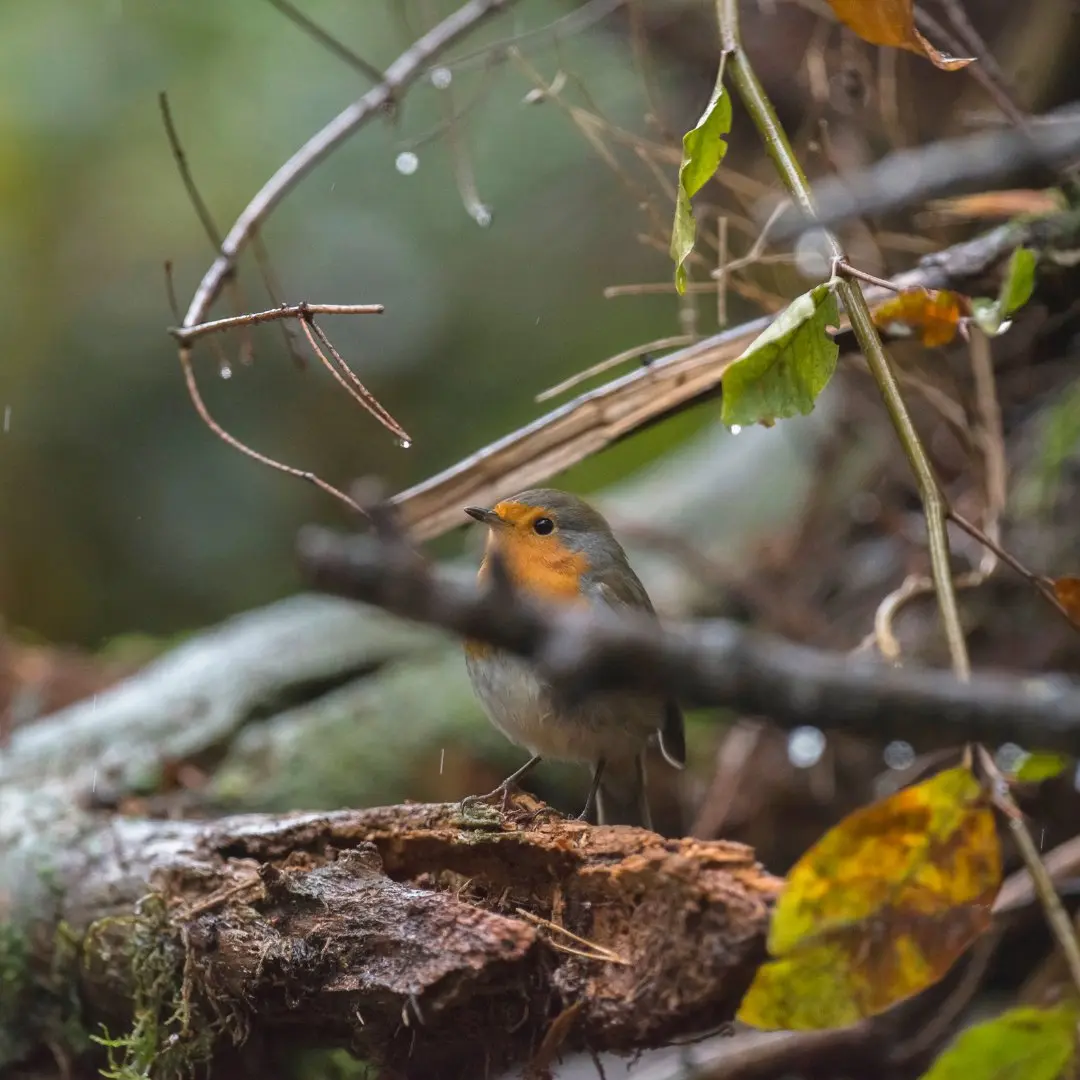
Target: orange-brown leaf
{"points": [[934, 314], [998, 204], [880, 908], [892, 23], [1067, 590]]}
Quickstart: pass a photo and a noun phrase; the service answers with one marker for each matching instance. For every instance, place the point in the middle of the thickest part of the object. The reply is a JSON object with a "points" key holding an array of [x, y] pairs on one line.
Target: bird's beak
{"points": [[488, 517]]}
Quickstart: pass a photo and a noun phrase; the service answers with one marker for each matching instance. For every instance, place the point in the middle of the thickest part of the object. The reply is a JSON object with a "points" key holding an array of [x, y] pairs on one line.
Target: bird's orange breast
{"points": [[539, 566]]}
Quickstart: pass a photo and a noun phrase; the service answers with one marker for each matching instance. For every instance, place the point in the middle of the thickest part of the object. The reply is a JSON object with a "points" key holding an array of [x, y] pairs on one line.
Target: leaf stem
{"points": [[757, 104], [1056, 915]]}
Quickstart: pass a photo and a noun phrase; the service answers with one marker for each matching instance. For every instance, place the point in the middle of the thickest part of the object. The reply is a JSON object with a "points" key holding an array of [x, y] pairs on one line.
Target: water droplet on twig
{"points": [[441, 77], [406, 163], [225, 371]]}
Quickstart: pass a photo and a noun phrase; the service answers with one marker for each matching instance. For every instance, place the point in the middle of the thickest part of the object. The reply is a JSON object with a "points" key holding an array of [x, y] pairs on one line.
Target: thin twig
{"points": [[348, 378], [206, 219], [404, 71], [236, 444], [757, 103], [274, 291], [327, 40], [600, 952], [1056, 915], [613, 362], [187, 334], [1037, 580]]}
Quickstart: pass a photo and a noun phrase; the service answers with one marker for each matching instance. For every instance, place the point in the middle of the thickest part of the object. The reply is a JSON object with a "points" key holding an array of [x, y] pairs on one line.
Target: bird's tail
{"points": [[621, 798]]}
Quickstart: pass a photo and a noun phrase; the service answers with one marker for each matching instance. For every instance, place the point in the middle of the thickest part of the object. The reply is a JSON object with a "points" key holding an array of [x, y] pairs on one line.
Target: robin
{"points": [[557, 548]]}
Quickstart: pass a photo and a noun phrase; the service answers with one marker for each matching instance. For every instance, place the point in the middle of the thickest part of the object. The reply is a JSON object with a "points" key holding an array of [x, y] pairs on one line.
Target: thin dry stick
{"points": [[187, 334], [599, 952], [991, 441], [757, 103], [348, 378], [274, 291], [1055, 912], [677, 341], [1041, 583], [236, 444], [327, 40], [206, 219], [202, 212]]}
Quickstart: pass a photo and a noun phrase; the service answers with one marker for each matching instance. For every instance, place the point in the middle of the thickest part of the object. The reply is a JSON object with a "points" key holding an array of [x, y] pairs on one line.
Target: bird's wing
{"points": [[626, 591]]}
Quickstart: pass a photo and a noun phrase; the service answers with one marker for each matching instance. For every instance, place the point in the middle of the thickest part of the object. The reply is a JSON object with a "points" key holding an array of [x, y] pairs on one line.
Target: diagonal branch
{"points": [[409, 66]]}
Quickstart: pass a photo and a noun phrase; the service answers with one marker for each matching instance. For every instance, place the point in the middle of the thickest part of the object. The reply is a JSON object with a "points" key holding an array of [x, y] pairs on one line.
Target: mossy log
{"points": [[432, 944]]}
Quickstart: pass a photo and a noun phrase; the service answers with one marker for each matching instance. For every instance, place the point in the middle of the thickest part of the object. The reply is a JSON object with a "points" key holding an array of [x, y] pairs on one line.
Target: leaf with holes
{"points": [[880, 907], [784, 369], [1036, 1044], [892, 23], [1017, 285], [703, 150]]}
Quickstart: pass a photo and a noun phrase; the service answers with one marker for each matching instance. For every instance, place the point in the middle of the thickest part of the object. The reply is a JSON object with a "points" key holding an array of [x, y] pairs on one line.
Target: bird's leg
{"points": [[594, 787], [505, 787]]}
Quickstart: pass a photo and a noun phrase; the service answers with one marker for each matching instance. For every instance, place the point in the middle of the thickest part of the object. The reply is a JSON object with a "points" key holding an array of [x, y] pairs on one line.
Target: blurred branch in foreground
{"points": [[716, 662]]}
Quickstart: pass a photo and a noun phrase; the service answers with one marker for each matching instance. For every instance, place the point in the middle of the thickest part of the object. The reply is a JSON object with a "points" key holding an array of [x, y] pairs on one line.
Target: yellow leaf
{"points": [[892, 23], [880, 908], [934, 314]]}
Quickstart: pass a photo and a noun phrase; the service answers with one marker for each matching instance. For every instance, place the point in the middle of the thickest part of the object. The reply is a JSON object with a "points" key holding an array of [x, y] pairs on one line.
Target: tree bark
{"points": [[428, 943]]}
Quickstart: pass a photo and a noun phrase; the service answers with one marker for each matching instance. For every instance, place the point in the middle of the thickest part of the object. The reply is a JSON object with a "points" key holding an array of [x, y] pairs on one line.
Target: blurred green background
{"points": [[119, 511]]}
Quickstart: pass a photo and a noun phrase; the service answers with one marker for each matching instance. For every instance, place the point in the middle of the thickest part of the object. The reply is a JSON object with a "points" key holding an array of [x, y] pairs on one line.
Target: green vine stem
{"points": [[756, 101]]}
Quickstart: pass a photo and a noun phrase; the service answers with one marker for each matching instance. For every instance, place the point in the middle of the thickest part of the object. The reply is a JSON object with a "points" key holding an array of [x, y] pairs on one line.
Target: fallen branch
{"points": [[717, 663], [394, 931]]}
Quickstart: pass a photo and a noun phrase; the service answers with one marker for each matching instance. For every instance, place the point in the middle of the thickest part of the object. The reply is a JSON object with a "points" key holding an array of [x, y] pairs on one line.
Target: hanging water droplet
{"points": [[225, 370], [481, 215], [736, 428], [441, 77], [406, 163], [404, 443]]}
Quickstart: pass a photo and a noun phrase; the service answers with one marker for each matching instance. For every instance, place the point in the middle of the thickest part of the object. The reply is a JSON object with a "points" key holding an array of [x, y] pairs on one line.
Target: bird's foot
{"points": [[478, 809]]}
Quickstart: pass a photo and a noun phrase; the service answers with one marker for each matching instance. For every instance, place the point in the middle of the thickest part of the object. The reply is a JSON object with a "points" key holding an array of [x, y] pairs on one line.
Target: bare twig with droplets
{"points": [[347, 377], [398, 76], [715, 662], [236, 444], [186, 335], [404, 71]]}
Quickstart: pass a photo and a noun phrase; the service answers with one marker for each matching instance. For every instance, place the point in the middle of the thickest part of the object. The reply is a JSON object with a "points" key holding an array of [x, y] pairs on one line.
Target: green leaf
{"points": [[785, 368], [1035, 1044], [1016, 288], [1041, 765], [703, 150], [1019, 282]]}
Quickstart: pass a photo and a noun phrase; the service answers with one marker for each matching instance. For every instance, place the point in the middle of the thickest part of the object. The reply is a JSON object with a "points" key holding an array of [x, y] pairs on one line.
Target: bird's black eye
{"points": [[543, 526]]}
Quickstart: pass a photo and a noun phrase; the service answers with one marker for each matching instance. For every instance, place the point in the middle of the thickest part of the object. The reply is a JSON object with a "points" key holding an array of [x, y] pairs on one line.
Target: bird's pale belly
{"points": [[520, 706]]}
